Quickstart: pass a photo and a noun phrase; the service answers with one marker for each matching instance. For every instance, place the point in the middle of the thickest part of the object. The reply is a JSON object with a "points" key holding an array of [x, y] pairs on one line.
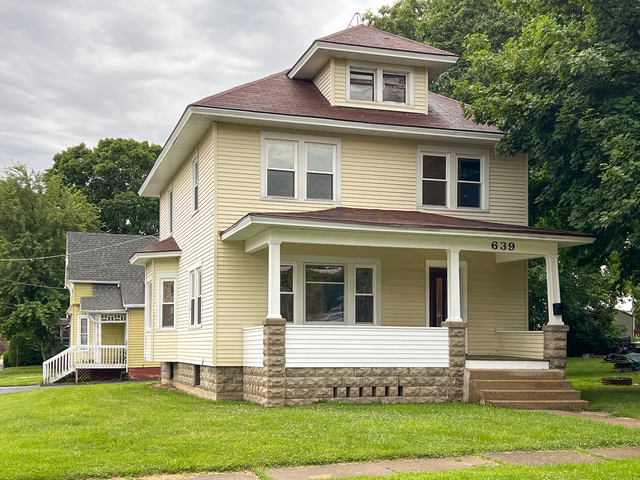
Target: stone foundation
{"points": [[213, 383], [555, 345]]}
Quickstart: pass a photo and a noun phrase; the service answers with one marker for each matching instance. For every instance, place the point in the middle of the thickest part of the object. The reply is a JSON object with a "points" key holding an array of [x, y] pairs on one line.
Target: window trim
{"points": [[161, 277], [197, 268], [300, 165], [148, 304], [452, 155], [464, 291], [299, 292], [195, 183], [378, 82]]}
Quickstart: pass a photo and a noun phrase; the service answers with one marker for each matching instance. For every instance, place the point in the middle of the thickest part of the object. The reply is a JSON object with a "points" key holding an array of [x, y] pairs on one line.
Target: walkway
{"points": [[390, 468]]}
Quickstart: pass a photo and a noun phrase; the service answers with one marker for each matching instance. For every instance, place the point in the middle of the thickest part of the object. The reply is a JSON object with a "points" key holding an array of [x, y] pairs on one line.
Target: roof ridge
{"points": [[238, 87], [384, 32]]}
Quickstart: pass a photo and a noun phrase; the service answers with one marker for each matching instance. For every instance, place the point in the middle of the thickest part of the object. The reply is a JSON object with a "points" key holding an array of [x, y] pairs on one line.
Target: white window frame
{"points": [[148, 304], [350, 263], [86, 319], [452, 155], [378, 71], [294, 289], [160, 277], [301, 142], [170, 209], [195, 183], [195, 271]]}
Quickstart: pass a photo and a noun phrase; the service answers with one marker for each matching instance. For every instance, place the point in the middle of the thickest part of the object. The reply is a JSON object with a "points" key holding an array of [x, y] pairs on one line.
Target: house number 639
{"points": [[503, 246]]}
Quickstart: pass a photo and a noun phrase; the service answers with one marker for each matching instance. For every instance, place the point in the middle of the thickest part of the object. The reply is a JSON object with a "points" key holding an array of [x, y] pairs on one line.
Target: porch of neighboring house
{"points": [[100, 351], [328, 338]]}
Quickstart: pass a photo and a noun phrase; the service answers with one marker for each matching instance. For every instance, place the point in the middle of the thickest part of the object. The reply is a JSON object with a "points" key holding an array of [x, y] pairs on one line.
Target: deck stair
{"points": [[523, 389]]}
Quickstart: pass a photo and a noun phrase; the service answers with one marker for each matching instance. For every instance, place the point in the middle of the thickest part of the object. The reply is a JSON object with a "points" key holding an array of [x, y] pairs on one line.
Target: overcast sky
{"points": [[78, 71]]}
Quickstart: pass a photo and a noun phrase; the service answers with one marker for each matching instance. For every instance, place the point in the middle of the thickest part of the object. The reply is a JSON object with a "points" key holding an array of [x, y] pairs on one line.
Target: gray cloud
{"points": [[78, 71]]}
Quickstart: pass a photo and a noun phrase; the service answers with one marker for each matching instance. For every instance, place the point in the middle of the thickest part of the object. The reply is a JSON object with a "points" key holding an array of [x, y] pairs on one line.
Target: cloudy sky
{"points": [[78, 71]]}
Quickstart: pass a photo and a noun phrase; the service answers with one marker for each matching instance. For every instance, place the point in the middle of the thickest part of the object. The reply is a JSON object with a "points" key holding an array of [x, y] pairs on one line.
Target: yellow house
{"points": [[106, 311], [337, 232]]}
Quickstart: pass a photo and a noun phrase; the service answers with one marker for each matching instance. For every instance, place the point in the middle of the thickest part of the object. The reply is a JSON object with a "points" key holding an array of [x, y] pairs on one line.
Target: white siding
{"points": [[361, 346], [253, 347]]}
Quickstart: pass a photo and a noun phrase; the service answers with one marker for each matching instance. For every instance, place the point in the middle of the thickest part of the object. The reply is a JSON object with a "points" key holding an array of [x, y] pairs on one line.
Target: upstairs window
{"points": [[299, 167], [379, 84], [453, 179], [166, 292]]}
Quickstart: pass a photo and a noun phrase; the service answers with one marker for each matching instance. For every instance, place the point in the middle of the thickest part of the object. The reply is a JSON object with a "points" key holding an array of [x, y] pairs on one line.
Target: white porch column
{"points": [[553, 288], [273, 281], [453, 286]]}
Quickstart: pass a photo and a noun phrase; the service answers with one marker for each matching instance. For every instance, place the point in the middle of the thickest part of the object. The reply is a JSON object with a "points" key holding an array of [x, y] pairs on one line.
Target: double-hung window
{"points": [[453, 179], [299, 167], [330, 290], [166, 291], [381, 84], [195, 296]]}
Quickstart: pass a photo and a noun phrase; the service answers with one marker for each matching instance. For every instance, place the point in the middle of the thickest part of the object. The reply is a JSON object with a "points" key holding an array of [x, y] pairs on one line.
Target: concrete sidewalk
{"points": [[390, 468]]}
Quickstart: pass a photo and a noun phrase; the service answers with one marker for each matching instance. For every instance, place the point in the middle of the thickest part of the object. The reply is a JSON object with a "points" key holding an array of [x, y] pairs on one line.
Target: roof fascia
{"points": [[133, 305], [341, 47], [172, 138], [143, 258], [353, 227], [102, 282], [346, 124], [105, 311]]}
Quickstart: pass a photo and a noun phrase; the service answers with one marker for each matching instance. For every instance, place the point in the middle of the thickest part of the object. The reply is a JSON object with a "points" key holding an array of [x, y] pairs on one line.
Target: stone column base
{"points": [[555, 346], [457, 359]]}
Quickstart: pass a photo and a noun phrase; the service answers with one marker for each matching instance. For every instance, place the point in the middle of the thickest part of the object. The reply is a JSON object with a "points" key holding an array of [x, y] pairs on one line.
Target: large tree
{"points": [[567, 92], [446, 24], [110, 175], [34, 219]]}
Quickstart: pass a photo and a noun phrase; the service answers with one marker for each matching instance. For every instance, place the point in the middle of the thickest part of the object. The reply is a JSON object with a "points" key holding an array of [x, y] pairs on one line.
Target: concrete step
{"points": [[515, 374], [480, 385], [539, 404], [529, 395]]}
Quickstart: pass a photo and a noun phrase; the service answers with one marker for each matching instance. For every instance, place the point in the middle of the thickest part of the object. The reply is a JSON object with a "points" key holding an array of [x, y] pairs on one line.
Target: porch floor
{"points": [[502, 358]]}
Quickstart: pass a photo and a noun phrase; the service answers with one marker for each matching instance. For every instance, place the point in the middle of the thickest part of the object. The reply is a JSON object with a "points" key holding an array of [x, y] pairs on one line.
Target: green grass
{"points": [[619, 469], [133, 429], [20, 376], [617, 400]]}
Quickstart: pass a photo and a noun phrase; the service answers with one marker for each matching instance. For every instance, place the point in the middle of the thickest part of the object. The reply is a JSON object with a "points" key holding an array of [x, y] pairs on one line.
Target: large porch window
{"points": [[330, 290]]}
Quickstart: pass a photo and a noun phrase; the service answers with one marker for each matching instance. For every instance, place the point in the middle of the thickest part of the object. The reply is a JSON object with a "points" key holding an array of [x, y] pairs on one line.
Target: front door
{"points": [[437, 296]]}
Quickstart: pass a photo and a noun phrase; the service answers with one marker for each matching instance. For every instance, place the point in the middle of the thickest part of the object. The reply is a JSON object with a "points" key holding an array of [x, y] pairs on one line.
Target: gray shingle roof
{"points": [[105, 298], [104, 257]]}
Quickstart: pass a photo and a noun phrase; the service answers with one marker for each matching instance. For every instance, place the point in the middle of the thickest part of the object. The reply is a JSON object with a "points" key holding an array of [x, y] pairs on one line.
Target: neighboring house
{"points": [[106, 312], [625, 321], [337, 232]]}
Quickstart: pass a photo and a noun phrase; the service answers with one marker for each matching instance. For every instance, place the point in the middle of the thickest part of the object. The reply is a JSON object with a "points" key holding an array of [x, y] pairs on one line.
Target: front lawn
{"points": [[617, 400], [21, 376], [134, 429]]}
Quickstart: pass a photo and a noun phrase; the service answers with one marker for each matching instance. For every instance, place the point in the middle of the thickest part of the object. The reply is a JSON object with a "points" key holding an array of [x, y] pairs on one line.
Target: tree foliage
{"points": [[446, 24], [110, 176], [567, 92], [35, 216]]}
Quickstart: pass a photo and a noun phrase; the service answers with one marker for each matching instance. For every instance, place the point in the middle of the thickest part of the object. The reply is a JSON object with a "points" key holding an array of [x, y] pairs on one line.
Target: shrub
{"points": [[29, 353]]}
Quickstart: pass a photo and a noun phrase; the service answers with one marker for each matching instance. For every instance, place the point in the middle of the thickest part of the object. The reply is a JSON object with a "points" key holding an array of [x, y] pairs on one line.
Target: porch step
{"points": [[482, 374], [540, 404], [523, 389], [488, 395]]}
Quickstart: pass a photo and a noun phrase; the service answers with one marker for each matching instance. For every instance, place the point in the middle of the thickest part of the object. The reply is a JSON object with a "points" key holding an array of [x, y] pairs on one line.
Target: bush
{"points": [[29, 353]]}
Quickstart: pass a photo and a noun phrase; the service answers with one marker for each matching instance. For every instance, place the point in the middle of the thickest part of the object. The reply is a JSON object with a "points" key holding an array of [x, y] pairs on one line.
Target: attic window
{"points": [[377, 84]]}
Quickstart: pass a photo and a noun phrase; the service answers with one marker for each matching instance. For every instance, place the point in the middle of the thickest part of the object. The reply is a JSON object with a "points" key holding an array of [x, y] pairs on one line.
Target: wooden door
{"points": [[437, 296]]}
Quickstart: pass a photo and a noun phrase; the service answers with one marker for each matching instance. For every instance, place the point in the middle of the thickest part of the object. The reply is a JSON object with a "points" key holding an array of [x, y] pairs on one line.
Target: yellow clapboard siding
{"points": [[79, 290], [322, 80], [136, 331], [113, 334]]}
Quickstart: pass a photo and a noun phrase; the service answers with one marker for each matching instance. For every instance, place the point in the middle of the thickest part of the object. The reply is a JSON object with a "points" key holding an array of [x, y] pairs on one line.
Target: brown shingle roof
{"points": [[279, 94], [166, 245], [365, 36], [410, 219]]}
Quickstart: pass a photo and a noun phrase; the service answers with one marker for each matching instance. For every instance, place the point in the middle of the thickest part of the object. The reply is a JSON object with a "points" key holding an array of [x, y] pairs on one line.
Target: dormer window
{"points": [[369, 83]]}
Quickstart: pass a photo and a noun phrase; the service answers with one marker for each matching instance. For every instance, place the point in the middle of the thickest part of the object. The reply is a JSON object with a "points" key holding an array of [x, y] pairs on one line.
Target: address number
{"points": [[503, 246]]}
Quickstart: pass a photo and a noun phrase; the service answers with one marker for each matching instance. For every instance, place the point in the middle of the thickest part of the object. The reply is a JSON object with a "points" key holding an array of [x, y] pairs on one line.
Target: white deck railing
{"points": [[85, 357], [520, 343]]}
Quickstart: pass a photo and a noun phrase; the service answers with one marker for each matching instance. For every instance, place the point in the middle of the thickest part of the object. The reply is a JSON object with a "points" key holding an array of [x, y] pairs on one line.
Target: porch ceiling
{"points": [[399, 229]]}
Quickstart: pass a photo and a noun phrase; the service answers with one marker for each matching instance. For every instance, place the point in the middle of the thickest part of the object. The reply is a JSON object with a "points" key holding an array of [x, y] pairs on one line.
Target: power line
{"points": [[31, 259], [31, 284]]}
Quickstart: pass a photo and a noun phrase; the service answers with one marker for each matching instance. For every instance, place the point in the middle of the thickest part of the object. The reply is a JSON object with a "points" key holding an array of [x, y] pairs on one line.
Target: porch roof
{"points": [[390, 221]]}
